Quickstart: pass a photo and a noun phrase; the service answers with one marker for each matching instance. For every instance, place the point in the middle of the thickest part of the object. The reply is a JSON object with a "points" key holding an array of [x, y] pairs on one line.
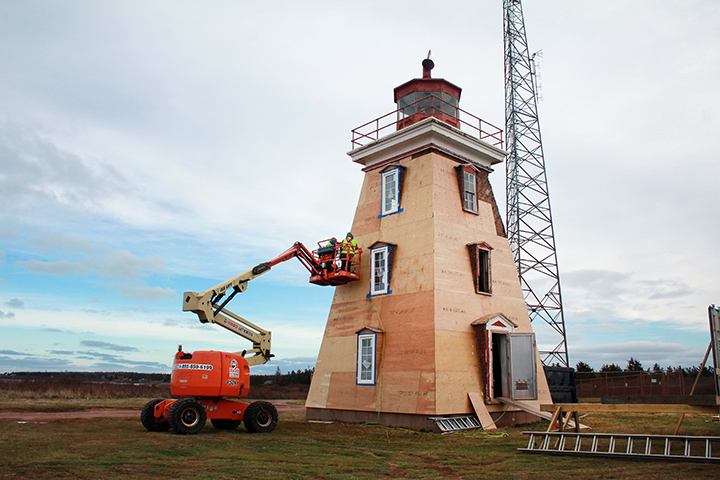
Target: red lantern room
{"points": [[425, 97]]}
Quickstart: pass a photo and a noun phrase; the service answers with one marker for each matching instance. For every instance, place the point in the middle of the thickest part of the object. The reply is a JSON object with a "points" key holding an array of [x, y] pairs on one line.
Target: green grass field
{"points": [[121, 448]]}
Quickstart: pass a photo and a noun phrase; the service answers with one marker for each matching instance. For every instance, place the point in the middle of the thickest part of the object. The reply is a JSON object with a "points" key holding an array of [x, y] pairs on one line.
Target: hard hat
{"points": [[349, 235]]}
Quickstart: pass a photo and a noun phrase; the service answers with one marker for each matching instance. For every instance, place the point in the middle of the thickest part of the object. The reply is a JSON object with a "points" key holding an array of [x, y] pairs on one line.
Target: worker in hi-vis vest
{"points": [[330, 265], [348, 248]]}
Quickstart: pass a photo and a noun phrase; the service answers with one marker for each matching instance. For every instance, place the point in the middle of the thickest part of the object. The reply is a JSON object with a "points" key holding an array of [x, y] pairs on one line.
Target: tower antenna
{"points": [[529, 221]]}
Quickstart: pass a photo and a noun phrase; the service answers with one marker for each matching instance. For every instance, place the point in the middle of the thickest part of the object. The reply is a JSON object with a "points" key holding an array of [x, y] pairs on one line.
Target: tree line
{"points": [[97, 376], [300, 377], [634, 366]]}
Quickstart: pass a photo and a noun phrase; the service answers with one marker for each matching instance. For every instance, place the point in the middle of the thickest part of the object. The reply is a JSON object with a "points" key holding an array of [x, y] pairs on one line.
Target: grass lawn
{"points": [[122, 448]]}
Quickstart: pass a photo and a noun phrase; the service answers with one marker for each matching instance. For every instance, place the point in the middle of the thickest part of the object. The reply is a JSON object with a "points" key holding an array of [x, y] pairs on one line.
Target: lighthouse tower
{"points": [[437, 326]]}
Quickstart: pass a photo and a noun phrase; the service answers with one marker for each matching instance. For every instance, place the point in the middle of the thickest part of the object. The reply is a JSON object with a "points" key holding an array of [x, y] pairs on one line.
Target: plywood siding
{"points": [[427, 360]]}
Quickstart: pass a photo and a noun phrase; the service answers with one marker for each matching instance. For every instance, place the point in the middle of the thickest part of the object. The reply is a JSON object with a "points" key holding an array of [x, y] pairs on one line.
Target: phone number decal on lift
{"points": [[192, 366]]}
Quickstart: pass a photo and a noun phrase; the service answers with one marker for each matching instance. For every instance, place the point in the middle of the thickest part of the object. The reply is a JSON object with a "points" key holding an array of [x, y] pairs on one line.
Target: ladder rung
{"points": [[531, 442], [449, 424], [556, 443]]}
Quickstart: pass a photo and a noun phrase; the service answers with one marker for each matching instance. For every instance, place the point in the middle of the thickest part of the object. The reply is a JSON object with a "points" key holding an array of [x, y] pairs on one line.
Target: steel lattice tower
{"points": [[529, 221]]}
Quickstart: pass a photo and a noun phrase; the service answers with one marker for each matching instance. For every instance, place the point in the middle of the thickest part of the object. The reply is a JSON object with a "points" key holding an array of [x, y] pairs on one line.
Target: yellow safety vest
{"points": [[350, 246]]}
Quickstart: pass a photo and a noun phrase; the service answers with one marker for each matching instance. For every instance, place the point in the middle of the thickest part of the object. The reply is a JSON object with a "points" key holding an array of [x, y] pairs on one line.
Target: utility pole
{"points": [[529, 221]]}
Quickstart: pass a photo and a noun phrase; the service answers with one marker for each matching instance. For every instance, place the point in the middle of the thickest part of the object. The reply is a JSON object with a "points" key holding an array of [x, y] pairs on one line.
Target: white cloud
{"points": [[143, 144], [647, 352], [145, 293], [59, 267], [108, 346], [108, 263], [58, 242], [15, 303], [35, 171]]}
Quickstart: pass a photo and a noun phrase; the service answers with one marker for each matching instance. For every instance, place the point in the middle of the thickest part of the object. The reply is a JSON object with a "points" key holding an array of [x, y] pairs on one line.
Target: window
{"points": [[480, 264], [379, 280], [470, 191], [366, 358], [450, 104], [392, 180], [406, 106], [421, 102], [467, 176], [390, 198]]}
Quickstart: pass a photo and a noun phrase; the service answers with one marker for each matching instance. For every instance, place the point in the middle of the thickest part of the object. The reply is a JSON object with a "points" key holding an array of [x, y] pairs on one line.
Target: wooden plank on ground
{"points": [[526, 407], [478, 403], [542, 413], [630, 408]]}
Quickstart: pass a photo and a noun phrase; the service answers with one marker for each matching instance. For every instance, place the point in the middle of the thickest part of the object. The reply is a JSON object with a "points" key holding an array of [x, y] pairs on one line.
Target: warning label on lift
{"points": [[234, 369], [192, 366]]}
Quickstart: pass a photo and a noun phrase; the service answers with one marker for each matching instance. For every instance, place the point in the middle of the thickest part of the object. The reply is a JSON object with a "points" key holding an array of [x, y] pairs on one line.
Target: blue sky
{"points": [[149, 148]]}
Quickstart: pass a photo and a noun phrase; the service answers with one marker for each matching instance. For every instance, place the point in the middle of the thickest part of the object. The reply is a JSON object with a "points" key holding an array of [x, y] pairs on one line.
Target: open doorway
{"points": [[498, 377], [513, 373], [509, 363]]}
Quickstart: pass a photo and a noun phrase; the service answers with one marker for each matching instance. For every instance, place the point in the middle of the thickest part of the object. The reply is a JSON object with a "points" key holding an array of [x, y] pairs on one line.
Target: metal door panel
{"points": [[523, 367]]}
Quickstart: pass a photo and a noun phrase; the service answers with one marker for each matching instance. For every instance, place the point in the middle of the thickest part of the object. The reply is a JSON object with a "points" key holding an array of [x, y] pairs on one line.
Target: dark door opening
{"points": [[499, 365]]}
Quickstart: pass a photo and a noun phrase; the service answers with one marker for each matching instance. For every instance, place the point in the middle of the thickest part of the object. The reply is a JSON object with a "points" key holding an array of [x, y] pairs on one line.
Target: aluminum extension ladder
{"points": [[453, 424], [616, 445]]}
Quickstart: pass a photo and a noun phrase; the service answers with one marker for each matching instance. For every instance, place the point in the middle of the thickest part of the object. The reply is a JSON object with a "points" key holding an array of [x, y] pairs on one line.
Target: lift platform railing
{"points": [[336, 264]]}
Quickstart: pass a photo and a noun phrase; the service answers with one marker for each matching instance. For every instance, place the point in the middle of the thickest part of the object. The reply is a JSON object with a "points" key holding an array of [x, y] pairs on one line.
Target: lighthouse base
{"points": [[509, 418]]}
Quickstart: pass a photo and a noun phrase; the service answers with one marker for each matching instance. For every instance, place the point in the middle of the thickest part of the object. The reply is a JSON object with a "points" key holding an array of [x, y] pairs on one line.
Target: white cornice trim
{"points": [[429, 132]]}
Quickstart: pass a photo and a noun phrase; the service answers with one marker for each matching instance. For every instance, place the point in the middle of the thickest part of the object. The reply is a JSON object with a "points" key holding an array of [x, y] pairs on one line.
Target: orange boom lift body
{"points": [[208, 384]]}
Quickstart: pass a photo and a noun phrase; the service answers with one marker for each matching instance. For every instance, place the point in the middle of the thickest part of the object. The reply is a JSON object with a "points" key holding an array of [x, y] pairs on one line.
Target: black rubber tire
{"points": [[147, 417], [225, 423], [187, 416], [260, 417]]}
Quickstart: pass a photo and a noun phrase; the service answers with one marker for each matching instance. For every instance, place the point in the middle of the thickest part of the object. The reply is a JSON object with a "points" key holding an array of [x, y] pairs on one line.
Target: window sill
{"points": [[388, 214], [378, 294]]}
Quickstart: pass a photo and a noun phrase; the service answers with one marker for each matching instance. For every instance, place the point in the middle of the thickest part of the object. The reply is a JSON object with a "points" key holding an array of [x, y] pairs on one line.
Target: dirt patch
{"points": [[38, 417], [42, 417]]}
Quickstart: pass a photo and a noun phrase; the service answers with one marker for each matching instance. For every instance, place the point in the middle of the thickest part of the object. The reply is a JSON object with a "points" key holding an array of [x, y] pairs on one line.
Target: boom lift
{"points": [[210, 382]]}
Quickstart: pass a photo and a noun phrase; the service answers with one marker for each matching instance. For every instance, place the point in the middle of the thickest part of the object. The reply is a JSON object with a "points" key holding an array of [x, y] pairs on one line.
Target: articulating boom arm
{"points": [[303, 254], [208, 308], [210, 305]]}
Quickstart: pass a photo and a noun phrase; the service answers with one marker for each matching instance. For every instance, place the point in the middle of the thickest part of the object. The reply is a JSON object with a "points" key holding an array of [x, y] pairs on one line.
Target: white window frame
{"points": [[484, 274], [384, 286], [470, 201], [390, 197], [366, 352]]}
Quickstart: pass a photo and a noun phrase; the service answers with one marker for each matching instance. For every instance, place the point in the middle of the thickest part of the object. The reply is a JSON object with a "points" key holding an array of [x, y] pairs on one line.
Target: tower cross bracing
{"points": [[529, 219]]}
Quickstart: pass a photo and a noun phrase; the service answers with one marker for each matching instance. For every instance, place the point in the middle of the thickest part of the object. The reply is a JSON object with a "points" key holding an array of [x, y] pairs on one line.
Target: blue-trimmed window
{"points": [[380, 271], [366, 357], [390, 192]]}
